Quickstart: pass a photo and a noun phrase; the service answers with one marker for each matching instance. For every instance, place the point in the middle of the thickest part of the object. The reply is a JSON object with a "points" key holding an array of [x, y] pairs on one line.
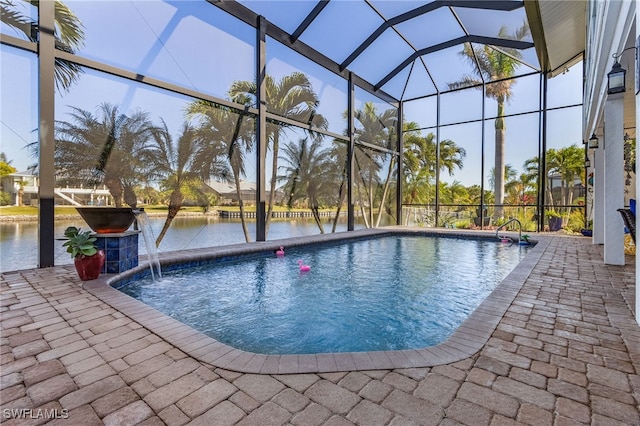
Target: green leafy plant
{"points": [[5, 198], [79, 243], [552, 213], [575, 222], [500, 221], [524, 237]]}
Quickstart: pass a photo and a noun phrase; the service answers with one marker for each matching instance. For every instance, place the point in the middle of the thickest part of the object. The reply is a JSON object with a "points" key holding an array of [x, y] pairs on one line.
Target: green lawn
{"points": [[20, 211]]}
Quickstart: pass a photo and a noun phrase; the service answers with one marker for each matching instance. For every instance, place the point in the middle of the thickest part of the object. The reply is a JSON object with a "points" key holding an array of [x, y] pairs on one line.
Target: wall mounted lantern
{"points": [[617, 76], [593, 141], [616, 79], [587, 163]]}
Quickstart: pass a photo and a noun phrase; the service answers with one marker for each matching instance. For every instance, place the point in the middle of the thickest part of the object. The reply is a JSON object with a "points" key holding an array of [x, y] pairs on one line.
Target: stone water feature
{"points": [[111, 226], [120, 245]]}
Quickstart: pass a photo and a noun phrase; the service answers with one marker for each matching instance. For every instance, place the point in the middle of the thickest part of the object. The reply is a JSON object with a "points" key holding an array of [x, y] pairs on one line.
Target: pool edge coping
{"points": [[465, 341]]}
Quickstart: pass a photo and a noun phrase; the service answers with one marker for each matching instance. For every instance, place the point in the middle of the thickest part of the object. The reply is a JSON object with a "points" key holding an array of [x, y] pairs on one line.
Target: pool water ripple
{"points": [[395, 292]]}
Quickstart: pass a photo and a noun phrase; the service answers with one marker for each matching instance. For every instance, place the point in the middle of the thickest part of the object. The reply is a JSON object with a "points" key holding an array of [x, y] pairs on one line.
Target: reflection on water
{"points": [[19, 240]]}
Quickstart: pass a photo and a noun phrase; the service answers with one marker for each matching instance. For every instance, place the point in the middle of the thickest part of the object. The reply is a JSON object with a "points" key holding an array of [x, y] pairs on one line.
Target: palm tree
{"points": [[20, 196], [454, 193], [420, 156], [148, 194], [418, 166], [68, 33], [518, 190], [531, 167], [422, 151], [229, 134], [490, 64], [566, 163], [376, 129], [338, 169], [178, 167], [308, 175], [508, 175], [521, 190], [292, 97], [109, 147], [366, 181]]}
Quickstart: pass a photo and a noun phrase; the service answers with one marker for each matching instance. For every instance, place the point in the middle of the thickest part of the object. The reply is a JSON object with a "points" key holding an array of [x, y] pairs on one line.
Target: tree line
{"points": [[129, 154]]}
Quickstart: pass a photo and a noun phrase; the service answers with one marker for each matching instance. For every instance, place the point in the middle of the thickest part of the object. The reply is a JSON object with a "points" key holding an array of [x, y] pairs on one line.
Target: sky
{"points": [[219, 52]]}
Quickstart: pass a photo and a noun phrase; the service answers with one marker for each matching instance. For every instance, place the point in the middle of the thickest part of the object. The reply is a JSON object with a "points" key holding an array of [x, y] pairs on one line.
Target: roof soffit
{"points": [[559, 32]]}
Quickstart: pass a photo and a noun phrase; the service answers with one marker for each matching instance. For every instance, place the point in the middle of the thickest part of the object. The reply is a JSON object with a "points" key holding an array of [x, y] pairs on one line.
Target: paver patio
{"points": [[565, 352]]}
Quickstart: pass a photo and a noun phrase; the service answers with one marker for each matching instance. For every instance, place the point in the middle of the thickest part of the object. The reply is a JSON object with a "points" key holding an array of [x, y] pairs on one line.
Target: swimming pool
{"points": [[393, 292]]}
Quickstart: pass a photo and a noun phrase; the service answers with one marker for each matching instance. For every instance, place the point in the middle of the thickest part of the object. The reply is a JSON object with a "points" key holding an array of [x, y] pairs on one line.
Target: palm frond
{"points": [[69, 29], [15, 19], [464, 82]]}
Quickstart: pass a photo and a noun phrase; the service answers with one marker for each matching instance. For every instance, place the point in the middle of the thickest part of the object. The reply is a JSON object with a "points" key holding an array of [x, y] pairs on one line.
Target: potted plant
{"points": [[482, 212], [87, 259], [587, 232], [524, 240], [555, 220]]}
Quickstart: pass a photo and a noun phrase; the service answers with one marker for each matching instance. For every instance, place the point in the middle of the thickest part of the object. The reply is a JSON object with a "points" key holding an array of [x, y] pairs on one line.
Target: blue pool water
{"points": [[394, 292]]}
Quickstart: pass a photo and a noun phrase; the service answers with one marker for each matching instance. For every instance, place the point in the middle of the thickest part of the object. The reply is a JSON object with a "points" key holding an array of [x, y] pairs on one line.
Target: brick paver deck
{"points": [[565, 351]]}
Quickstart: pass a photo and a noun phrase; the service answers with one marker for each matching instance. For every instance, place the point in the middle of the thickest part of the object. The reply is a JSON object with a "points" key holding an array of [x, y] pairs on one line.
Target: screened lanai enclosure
{"points": [[336, 114]]}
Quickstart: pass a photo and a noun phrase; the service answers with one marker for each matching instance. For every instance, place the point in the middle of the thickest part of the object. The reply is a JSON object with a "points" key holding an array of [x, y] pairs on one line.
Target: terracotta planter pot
{"points": [[88, 267]]}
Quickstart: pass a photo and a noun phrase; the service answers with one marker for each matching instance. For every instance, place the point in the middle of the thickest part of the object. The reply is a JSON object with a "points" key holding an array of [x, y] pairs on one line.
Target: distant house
{"points": [[228, 195], [555, 185], [23, 189]]}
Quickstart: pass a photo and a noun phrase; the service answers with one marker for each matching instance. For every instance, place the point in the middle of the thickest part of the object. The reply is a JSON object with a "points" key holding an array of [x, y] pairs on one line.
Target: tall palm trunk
{"points": [[371, 196], [20, 195], [235, 160], [130, 197], [175, 202], [341, 198], [385, 191], [367, 216], [245, 229], [315, 211], [549, 193], [364, 216], [115, 189], [274, 174], [567, 195], [501, 130], [363, 212]]}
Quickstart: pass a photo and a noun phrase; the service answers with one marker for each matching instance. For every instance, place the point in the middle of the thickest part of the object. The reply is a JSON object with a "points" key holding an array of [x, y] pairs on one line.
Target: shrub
{"points": [[5, 198]]}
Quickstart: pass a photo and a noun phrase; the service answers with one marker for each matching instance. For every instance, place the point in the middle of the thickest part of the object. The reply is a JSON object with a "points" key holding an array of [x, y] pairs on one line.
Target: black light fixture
{"points": [[587, 163], [616, 77], [593, 141]]}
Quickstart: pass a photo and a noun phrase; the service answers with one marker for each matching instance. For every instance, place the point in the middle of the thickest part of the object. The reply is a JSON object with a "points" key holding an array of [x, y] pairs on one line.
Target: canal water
{"points": [[19, 240]]}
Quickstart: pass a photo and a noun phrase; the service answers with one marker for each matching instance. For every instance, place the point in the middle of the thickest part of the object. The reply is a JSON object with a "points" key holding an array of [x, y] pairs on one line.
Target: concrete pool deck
{"points": [[564, 351]]}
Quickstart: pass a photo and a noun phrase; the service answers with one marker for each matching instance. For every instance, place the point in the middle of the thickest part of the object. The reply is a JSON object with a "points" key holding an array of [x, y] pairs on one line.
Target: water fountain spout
{"points": [[142, 221]]}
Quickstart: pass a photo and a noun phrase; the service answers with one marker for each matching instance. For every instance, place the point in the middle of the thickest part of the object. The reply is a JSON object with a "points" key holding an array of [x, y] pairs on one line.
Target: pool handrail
{"points": [[500, 237]]}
